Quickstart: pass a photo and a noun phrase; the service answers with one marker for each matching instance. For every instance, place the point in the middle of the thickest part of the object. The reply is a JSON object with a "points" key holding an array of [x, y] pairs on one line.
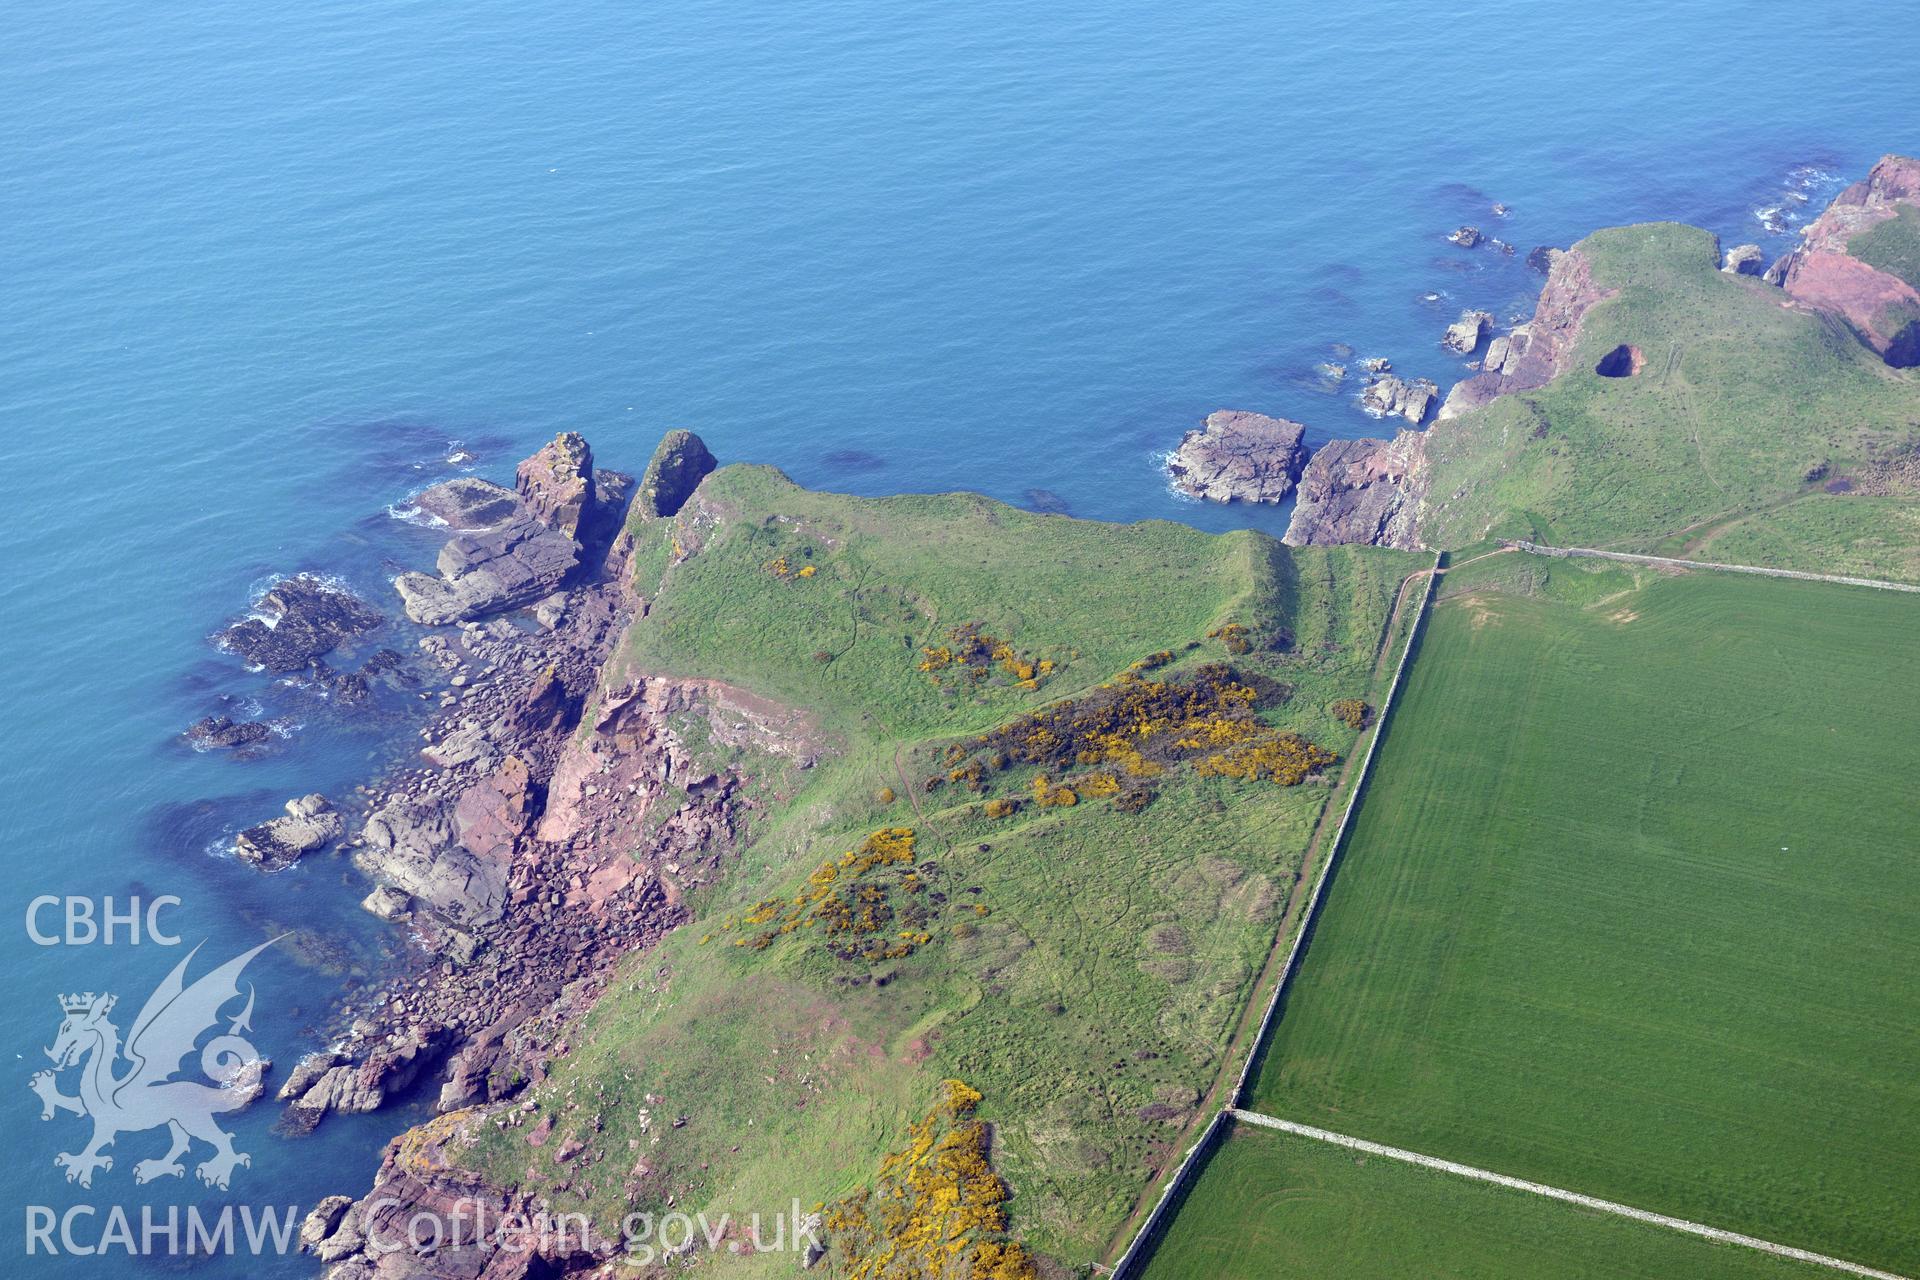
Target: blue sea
{"points": [[265, 268]]}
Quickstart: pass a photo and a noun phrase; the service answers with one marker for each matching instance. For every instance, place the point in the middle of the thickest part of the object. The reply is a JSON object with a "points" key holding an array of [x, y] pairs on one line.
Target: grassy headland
{"points": [[1044, 850], [1741, 401]]}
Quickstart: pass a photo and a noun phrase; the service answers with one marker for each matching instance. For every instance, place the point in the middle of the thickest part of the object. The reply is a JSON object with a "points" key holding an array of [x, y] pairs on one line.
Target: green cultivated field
{"points": [[1633, 905], [1274, 1205]]}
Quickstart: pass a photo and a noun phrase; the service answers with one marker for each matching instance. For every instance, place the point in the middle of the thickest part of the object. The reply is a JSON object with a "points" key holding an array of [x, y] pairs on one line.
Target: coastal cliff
{"points": [[1860, 260], [1362, 491], [1537, 352]]}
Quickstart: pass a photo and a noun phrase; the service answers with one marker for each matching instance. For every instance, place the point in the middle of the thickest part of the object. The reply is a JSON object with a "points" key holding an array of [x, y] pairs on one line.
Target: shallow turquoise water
{"points": [[261, 263]]}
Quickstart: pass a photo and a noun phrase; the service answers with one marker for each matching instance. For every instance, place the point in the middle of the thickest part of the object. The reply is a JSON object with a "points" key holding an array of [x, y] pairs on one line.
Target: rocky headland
{"points": [[1362, 491], [1824, 271]]}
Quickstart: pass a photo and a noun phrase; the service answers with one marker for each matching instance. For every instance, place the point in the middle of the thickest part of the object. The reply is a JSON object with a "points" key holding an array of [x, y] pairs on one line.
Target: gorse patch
{"points": [[937, 1209], [1134, 730], [870, 903], [972, 654]]}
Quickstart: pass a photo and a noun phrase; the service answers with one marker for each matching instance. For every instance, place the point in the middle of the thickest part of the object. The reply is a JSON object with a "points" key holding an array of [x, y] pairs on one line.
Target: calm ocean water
{"points": [[261, 264]]}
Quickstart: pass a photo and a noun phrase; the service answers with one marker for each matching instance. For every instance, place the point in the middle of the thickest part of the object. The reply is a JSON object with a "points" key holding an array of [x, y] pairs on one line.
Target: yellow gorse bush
{"points": [[976, 654], [850, 899], [937, 1209]]}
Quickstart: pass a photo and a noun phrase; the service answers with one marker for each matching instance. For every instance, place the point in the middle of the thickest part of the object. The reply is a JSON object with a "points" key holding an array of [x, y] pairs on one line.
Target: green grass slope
{"points": [[1080, 965], [1741, 397], [1857, 535], [1271, 1204], [1632, 906], [1892, 246]]}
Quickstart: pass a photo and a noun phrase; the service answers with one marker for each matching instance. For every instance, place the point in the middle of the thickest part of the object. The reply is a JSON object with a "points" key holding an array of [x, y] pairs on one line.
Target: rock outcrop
{"points": [[556, 484], [489, 572], [1744, 260], [1466, 237], [559, 523], [1540, 350], [468, 502], [311, 824], [679, 464], [303, 619], [1390, 396], [1883, 309], [1463, 335], [1236, 456], [1362, 491], [415, 845], [479, 1232]]}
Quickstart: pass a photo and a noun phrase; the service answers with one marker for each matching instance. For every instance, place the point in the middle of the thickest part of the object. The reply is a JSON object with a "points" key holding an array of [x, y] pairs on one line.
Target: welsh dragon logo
{"points": [[130, 1088]]}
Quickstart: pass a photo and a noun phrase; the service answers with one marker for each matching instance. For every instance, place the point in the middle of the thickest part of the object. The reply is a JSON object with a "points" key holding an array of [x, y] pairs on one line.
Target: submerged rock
{"points": [[310, 825], [1362, 491], [306, 618], [1235, 456], [1541, 258], [679, 464], [220, 733], [1046, 502]]}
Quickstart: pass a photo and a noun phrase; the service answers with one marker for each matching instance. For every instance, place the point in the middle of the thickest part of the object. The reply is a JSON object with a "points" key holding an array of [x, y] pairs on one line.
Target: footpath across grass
{"points": [[1633, 905], [1271, 1204]]}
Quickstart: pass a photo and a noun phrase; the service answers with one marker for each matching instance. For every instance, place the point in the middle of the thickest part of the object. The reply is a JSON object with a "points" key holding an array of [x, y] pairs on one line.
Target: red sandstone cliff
{"points": [[1822, 273]]}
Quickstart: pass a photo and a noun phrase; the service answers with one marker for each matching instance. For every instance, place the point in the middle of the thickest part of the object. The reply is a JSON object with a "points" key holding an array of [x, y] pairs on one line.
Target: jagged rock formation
{"points": [[1744, 260], [1466, 237], [530, 542], [556, 484], [1463, 335], [1235, 456], [309, 618], [489, 572], [679, 464], [483, 1233], [1823, 273], [1540, 350], [1390, 396], [311, 823], [530, 852], [1364, 491]]}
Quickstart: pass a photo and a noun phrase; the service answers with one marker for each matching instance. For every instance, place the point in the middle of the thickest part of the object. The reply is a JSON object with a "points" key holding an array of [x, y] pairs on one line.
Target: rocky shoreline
{"points": [[552, 825]]}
